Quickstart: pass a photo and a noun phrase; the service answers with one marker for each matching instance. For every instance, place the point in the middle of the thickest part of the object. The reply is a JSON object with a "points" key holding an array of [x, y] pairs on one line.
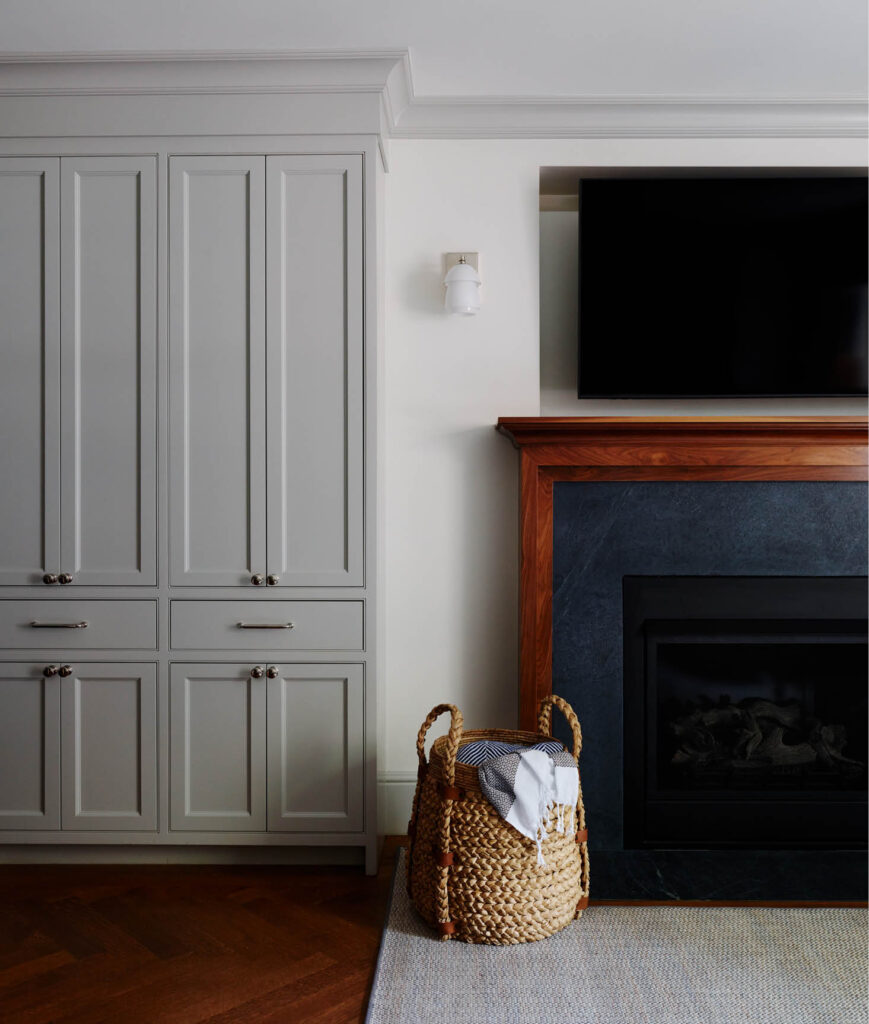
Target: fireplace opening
{"points": [[745, 712]]}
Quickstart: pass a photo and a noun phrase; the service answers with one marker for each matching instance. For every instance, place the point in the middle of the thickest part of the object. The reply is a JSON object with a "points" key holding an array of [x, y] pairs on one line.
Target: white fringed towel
{"points": [[523, 787]]}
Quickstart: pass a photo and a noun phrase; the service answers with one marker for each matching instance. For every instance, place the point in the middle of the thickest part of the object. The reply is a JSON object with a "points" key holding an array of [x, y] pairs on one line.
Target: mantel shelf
{"points": [[557, 449], [525, 431]]}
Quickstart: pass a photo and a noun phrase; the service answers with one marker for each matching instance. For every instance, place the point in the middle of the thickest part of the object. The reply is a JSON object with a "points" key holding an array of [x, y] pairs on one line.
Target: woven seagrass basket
{"points": [[471, 875]]}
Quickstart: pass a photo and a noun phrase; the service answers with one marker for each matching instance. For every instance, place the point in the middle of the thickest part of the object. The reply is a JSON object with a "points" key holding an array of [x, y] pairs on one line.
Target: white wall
{"points": [[715, 48], [450, 529]]}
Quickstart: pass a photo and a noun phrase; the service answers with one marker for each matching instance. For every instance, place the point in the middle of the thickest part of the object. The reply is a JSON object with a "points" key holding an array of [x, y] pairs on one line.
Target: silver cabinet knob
{"points": [[257, 672], [273, 580], [65, 670], [50, 578], [49, 671], [257, 579], [272, 672], [64, 578]]}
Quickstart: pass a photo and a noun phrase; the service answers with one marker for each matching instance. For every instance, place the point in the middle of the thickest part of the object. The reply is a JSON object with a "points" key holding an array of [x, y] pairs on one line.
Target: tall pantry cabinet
{"points": [[187, 479]]}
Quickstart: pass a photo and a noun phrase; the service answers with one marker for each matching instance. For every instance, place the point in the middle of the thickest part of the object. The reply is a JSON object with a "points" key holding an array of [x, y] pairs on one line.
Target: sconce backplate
{"points": [[452, 258]]}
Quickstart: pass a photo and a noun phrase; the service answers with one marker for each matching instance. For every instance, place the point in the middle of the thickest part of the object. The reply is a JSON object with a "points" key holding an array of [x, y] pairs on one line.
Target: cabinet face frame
{"points": [[41, 475], [261, 138], [185, 464], [88, 387], [41, 748], [75, 745]]}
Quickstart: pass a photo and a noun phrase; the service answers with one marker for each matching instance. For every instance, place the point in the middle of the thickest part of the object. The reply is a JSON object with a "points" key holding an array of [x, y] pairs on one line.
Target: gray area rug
{"points": [[631, 965]]}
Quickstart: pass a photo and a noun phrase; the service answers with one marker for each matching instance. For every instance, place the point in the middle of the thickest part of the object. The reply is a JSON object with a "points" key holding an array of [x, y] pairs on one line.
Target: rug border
{"points": [[399, 858]]}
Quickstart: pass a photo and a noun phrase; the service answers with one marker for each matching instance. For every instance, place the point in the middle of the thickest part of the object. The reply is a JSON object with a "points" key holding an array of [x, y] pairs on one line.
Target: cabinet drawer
{"points": [[267, 625], [57, 624]]}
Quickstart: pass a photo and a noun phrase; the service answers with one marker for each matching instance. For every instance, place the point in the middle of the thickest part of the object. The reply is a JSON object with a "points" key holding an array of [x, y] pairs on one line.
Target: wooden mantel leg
{"points": [[535, 585]]}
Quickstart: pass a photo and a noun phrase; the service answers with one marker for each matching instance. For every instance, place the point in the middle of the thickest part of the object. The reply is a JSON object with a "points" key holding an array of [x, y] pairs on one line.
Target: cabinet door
{"points": [[315, 745], [315, 346], [29, 370], [109, 733], [217, 748], [217, 369], [108, 370], [29, 748]]}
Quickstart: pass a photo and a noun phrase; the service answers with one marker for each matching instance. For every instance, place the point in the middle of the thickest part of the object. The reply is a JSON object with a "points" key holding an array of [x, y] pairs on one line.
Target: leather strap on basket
{"points": [[448, 795], [544, 725]]}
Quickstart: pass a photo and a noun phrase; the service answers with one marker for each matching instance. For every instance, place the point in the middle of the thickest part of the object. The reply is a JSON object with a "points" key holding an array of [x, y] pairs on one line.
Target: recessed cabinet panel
{"points": [[217, 379], [108, 369], [315, 342], [315, 747], [29, 370], [29, 748], [217, 753], [110, 747]]}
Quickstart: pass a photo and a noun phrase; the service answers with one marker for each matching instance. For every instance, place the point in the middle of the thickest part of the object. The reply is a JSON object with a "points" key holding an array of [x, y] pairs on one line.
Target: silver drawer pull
{"points": [[266, 625], [58, 625]]}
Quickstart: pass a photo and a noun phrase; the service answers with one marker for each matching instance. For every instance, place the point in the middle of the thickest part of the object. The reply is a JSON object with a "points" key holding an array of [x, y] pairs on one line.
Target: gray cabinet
{"points": [[187, 416], [78, 747], [109, 744], [217, 370], [266, 396], [29, 369], [263, 746], [314, 362], [78, 381], [217, 724], [29, 748], [108, 373], [315, 748]]}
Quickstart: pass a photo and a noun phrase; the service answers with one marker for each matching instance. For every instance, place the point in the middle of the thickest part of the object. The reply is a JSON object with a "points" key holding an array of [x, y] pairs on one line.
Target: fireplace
{"points": [[744, 501], [745, 712]]}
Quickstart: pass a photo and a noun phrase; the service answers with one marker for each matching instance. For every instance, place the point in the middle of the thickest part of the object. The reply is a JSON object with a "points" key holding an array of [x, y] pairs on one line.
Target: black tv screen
{"points": [[722, 287]]}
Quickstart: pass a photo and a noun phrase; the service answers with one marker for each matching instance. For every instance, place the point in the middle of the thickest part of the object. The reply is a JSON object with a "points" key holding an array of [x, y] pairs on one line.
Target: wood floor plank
{"points": [[300, 999], [29, 970], [186, 945]]}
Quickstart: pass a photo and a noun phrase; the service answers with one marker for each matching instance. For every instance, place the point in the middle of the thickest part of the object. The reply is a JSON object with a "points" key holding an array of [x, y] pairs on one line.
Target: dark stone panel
{"points": [[605, 531], [728, 875]]}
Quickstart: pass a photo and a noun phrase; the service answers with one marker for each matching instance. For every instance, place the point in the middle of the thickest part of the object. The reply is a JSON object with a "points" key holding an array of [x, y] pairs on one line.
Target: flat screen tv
{"points": [[722, 287]]}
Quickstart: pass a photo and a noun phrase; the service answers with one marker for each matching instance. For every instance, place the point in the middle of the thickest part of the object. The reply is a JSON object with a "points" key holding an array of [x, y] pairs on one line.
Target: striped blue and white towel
{"points": [[480, 751], [523, 784]]}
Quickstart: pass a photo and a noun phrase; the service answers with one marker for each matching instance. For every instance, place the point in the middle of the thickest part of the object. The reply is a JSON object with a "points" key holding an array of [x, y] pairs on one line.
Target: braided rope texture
{"points": [[494, 892]]}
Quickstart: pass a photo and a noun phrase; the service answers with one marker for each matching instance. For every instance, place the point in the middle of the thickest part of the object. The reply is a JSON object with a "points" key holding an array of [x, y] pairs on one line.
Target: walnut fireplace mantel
{"points": [[643, 448]]}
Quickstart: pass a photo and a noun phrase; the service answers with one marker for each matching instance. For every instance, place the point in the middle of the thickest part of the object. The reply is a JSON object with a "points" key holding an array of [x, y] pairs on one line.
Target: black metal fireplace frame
{"points": [[656, 606]]}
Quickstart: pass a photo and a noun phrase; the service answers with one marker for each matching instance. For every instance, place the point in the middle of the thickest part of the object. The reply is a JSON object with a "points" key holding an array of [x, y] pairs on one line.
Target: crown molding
{"points": [[159, 56], [398, 91], [387, 75], [196, 73], [603, 117]]}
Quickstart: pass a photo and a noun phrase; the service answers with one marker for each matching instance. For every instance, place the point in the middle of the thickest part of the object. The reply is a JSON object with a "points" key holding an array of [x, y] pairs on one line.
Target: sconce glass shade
{"points": [[463, 290]]}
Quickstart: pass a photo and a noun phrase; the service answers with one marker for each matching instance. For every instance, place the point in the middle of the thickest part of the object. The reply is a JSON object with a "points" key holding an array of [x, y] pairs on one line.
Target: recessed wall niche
{"points": [[559, 307]]}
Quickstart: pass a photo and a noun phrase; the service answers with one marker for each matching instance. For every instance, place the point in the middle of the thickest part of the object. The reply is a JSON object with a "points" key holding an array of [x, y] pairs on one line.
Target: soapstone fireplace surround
{"points": [[605, 502]]}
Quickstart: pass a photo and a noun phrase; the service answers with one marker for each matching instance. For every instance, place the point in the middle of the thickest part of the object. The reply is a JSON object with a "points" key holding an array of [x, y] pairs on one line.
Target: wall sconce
{"points": [[462, 282]]}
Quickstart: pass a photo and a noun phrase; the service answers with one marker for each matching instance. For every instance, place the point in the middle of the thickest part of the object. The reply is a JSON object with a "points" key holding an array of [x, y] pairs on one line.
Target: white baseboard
{"points": [[394, 799]]}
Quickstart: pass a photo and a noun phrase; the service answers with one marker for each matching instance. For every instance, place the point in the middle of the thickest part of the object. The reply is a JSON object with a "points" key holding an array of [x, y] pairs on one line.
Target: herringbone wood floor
{"points": [[165, 944]]}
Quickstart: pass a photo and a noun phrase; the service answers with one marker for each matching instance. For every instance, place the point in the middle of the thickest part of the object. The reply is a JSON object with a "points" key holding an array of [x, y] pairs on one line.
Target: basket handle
{"points": [[454, 738], [544, 721]]}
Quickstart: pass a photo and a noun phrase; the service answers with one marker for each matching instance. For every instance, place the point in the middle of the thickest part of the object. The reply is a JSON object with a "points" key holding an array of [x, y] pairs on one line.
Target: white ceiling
{"points": [[499, 48]]}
